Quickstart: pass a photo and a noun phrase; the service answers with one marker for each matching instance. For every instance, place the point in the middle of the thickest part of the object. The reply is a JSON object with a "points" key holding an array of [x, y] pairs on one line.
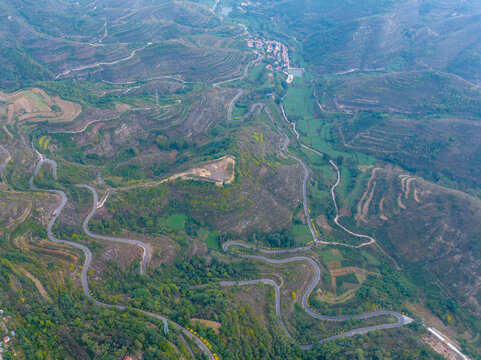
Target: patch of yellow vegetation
{"points": [[45, 144]]}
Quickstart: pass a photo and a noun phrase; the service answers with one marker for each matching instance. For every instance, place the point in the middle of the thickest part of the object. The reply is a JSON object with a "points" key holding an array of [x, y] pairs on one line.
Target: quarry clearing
{"points": [[35, 105], [220, 171]]}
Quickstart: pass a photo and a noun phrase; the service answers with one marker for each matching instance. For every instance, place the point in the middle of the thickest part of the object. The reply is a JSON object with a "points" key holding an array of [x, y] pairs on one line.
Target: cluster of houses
{"points": [[6, 339], [273, 50]]}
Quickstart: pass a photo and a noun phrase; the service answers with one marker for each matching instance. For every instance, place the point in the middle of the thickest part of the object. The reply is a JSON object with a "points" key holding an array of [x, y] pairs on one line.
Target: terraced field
{"points": [[171, 38], [36, 106]]}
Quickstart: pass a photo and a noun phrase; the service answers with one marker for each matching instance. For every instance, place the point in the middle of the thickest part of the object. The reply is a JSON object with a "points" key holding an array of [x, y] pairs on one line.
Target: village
{"points": [[277, 54], [5, 340], [272, 50]]}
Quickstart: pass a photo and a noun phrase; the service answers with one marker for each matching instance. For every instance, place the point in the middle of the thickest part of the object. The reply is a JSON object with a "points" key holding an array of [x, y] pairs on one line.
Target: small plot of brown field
{"points": [[46, 247], [220, 171], [36, 105], [214, 325], [331, 296], [333, 265], [363, 209], [322, 222]]}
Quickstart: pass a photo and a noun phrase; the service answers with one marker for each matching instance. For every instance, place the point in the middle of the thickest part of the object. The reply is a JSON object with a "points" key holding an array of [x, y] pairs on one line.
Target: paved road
{"points": [[88, 254], [286, 143], [304, 167], [227, 244], [402, 320], [144, 246], [239, 94], [283, 149]]}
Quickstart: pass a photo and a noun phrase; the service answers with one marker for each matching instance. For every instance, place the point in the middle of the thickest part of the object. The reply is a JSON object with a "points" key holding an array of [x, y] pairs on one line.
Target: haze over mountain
{"points": [[226, 179]]}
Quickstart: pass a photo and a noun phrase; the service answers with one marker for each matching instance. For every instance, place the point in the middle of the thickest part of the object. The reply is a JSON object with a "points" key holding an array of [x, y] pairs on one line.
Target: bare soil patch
{"points": [[440, 347], [408, 186], [37, 283], [381, 209], [220, 171], [322, 222], [333, 265], [416, 196], [400, 203], [122, 254], [214, 325], [345, 211]]}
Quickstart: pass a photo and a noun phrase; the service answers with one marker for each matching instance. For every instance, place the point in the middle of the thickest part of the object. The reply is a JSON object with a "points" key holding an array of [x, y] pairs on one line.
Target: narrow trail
{"points": [[88, 253], [336, 219], [86, 126], [101, 63], [370, 239]]}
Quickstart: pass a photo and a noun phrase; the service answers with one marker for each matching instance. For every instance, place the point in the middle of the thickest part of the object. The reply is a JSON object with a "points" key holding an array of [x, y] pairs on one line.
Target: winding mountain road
{"points": [[306, 177], [88, 253], [144, 246], [402, 319]]}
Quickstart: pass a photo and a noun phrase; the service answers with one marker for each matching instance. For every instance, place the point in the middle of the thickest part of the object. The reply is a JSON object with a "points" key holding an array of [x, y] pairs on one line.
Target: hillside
{"points": [[240, 180]]}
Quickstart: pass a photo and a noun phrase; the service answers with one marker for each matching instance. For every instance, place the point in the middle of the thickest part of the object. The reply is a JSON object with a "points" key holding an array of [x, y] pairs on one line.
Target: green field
{"points": [[239, 111], [174, 222], [299, 100], [212, 241], [317, 133], [36, 98], [301, 233], [328, 255]]}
